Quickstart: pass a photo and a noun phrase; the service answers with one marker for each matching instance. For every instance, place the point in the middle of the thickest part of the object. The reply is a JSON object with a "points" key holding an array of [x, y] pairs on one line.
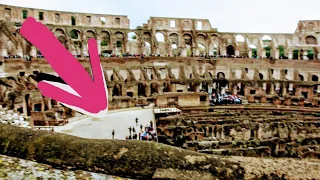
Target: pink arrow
{"points": [[93, 97]]}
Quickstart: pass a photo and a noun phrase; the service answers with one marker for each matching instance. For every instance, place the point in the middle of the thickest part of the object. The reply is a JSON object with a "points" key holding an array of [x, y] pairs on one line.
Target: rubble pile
{"points": [[13, 118]]}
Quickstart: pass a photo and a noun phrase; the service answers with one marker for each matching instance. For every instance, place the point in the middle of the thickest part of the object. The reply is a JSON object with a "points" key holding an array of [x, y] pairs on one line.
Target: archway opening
{"points": [[221, 75], [260, 76], [160, 37], [311, 40], [132, 36], [166, 87], [254, 50], [310, 54], [239, 38], [301, 77], [295, 54], [148, 48], [202, 49], [266, 38], [141, 89], [116, 90], [154, 88], [74, 34], [315, 78], [281, 51], [268, 51], [230, 50]]}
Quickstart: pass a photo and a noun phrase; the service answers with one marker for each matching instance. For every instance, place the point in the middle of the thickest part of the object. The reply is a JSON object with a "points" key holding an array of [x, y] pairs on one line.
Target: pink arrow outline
{"points": [[92, 90]]}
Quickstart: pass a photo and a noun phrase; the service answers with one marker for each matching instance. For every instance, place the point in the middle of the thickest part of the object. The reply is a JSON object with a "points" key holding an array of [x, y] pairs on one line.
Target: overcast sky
{"points": [[270, 16]]}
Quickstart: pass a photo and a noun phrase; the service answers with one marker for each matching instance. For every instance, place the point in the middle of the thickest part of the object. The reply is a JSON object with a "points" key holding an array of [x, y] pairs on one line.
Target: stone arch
{"points": [[132, 36], [75, 34], [166, 87], [117, 90], [216, 35], [301, 77], [105, 38], [215, 49], [59, 32], [202, 49], [260, 76], [174, 37], [268, 51], [266, 38], [90, 34], [221, 75], [311, 54], [119, 38], [230, 50], [254, 51], [311, 40], [315, 78], [154, 88], [295, 54], [239, 38], [142, 89], [160, 37], [201, 40], [188, 43], [147, 37]]}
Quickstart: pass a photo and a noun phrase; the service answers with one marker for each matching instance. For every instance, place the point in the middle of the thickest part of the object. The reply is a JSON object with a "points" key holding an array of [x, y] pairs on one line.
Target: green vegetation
{"points": [[74, 34]]}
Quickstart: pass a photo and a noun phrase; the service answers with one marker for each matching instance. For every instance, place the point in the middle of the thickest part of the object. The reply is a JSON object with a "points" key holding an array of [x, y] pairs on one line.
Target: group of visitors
{"points": [[146, 133], [224, 98]]}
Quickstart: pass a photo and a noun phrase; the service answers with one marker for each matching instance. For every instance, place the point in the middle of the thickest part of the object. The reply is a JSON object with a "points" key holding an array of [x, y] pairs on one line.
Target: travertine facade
{"points": [[160, 36]]}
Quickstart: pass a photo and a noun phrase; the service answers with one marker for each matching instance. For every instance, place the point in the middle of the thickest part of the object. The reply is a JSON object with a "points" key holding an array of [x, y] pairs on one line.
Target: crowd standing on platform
{"points": [[146, 133], [224, 98]]}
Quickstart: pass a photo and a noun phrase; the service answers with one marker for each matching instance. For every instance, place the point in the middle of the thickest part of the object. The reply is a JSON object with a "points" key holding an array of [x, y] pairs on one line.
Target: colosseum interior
{"points": [[175, 62]]}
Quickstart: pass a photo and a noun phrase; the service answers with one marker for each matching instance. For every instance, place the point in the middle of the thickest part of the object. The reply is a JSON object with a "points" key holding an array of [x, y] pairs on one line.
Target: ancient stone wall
{"points": [[160, 36], [257, 133]]}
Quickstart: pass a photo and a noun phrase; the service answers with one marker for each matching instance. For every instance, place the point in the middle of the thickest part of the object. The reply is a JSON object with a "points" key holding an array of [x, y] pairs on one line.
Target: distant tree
{"points": [[74, 34], [104, 43]]}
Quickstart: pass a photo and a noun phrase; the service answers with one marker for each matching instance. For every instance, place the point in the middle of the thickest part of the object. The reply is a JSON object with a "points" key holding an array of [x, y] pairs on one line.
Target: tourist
{"points": [[130, 130], [133, 130], [113, 134], [137, 122]]}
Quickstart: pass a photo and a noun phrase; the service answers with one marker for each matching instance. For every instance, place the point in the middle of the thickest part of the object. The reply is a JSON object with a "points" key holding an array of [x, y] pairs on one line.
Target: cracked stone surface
{"points": [[19, 169]]}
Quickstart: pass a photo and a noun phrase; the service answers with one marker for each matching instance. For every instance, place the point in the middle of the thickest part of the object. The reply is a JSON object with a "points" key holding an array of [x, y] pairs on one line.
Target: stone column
{"points": [[183, 52], [250, 53], [196, 51], [3, 52], [263, 53], [148, 92], [298, 91], [110, 98], [305, 54], [276, 54], [237, 53], [272, 88], [19, 50], [49, 103], [235, 90], [284, 89], [33, 52], [290, 55], [99, 45]]}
